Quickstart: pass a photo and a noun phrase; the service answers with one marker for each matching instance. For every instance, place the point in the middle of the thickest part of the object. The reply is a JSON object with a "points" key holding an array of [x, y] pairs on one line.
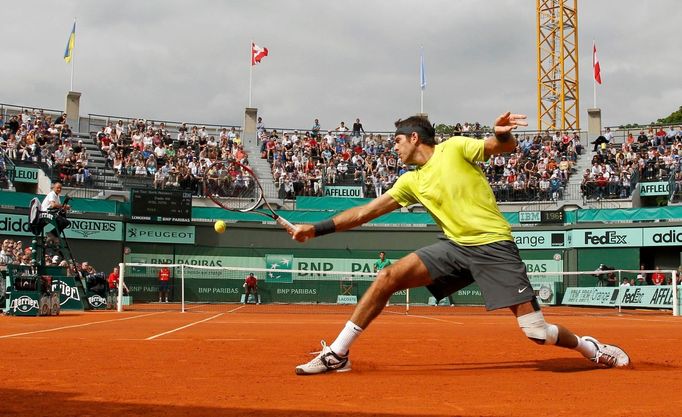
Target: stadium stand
{"points": [[123, 153]]}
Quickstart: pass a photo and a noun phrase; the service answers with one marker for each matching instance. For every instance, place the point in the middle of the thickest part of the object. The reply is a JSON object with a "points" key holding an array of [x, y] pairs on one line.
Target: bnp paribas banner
{"points": [[207, 266], [544, 270], [277, 265], [17, 225]]}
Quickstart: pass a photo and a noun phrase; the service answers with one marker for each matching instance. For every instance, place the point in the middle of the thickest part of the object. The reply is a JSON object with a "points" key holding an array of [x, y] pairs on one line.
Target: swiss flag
{"points": [[257, 53], [595, 64]]}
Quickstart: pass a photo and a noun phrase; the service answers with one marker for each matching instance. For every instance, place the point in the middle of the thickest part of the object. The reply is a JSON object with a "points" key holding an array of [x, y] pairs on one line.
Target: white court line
{"points": [[183, 327], [235, 309], [434, 318], [76, 326], [429, 318], [205, 305], [424, 317], [638, 319], [229, 340]]}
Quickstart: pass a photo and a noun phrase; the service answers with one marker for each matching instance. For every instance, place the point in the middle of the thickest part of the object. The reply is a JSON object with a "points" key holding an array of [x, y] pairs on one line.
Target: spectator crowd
{"points": [[654, 155], [35, 137], [168, 159], [13, 252], [303, 162]]}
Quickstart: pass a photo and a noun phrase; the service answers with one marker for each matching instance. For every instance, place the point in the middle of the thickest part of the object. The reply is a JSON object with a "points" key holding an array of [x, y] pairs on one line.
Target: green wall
{"points": [[590, 259]]}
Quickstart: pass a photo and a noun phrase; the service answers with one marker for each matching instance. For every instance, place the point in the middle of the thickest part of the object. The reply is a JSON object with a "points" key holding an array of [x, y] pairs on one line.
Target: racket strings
{"points": [[232, 187]]}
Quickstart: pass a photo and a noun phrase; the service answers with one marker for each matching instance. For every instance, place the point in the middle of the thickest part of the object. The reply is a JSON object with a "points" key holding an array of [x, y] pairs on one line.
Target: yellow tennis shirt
{"points": [[456, 193]]}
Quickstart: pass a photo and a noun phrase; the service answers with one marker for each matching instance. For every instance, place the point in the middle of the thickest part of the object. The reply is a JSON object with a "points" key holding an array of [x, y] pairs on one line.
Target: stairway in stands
{"points": [[573, 195], [103, 177], [262, 169]]}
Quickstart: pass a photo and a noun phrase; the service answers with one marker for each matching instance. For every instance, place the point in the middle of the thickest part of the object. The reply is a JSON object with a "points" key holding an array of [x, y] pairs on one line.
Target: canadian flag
{"points": [[257, 53], [595, 64]]}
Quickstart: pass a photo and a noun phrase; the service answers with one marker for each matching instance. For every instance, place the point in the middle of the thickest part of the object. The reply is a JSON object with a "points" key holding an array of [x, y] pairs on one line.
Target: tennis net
{"points": [[213, 288]]}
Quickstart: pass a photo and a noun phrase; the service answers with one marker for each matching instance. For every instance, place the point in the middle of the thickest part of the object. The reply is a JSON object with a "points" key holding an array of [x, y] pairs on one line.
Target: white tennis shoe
{"points": [[608, 355], [325, 361]]}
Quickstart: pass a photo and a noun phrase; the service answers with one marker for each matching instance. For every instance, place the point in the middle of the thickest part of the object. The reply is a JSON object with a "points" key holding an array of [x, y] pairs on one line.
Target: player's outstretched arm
{"points": [[503, 141], [347, 219]]}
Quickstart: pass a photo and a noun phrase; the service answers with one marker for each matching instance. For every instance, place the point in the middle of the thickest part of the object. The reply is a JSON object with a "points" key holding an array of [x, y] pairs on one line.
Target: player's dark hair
{"points": [[419, 124]]}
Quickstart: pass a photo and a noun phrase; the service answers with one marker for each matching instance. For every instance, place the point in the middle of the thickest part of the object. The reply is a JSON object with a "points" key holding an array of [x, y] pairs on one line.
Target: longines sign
{"points": [[17, 225]]}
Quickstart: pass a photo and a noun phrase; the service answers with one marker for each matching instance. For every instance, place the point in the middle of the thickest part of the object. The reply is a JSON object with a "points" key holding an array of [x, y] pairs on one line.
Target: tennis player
{"points": [[477, 245]]}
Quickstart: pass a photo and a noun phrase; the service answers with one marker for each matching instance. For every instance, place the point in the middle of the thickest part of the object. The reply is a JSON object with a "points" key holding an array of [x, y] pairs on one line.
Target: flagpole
{"points": [[250, 71], [421, 76], [594, 79], [422, 80], [73, 55], [594, 93]]}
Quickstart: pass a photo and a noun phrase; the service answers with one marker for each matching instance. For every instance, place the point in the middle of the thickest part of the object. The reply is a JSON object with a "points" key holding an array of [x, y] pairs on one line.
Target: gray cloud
{"points": [[188, 60]]}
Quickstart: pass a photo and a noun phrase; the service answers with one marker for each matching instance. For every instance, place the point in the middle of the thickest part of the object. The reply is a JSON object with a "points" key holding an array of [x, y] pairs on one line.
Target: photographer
{"points": [[95, 281], [605, 279]]}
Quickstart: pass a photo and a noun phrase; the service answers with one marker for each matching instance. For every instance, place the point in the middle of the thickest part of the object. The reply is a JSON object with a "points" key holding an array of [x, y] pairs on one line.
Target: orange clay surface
{"points": [[239, 361]]}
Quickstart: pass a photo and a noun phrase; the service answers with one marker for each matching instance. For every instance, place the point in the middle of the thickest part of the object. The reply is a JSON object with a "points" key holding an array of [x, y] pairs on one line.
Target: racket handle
{"points": [[286, 224]]}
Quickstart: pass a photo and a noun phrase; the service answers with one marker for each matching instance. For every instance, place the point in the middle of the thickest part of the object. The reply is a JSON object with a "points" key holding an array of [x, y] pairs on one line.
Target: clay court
{"points": [[239, 361]]}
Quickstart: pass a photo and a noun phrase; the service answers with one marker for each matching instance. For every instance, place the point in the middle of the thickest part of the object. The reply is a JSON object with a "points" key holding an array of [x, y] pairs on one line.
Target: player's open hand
{"points": [[303, 232], [508, 122]]}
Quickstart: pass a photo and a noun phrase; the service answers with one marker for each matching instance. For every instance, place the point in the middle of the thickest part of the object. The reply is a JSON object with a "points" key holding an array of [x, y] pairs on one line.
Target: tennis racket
{"points": [[235, 187]]}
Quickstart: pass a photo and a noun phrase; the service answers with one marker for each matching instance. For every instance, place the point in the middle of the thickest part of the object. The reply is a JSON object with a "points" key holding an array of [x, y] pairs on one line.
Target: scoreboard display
{"points": [[160, 206], [542, 217]]}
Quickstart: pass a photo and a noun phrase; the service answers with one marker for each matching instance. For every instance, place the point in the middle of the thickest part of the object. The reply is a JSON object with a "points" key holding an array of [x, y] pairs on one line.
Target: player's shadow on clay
{"points": [[561, 365]]}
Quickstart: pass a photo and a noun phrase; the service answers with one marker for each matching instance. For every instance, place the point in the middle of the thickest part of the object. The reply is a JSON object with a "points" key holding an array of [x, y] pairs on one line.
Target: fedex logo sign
{"points": [[590, 238], [608, 238]]}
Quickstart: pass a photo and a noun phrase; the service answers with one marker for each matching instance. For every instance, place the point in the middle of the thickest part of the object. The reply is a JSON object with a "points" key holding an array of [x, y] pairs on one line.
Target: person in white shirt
{"points": [[329, 138], [52, 203], [232, 134]]}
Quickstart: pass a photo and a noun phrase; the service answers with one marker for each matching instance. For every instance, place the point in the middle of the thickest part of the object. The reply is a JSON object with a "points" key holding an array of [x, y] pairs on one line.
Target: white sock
{"points": [[350, 332], [588, 349]]}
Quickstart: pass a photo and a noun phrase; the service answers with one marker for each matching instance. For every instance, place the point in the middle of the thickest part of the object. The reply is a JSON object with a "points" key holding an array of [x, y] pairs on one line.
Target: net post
{"points": [[676, 301], [407, 301], [182, 290], [121, 284], [620, 299]]}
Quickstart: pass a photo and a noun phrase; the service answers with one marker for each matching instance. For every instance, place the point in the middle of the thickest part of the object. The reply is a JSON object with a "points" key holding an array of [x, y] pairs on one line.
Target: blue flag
{"points": [[70, 44]]}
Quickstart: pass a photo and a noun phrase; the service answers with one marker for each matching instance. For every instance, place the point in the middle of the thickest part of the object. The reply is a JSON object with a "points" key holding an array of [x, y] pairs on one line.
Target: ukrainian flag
{"points": [[68, 53]]}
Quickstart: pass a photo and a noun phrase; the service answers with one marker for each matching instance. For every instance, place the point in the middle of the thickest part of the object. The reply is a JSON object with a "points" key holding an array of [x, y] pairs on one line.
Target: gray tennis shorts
{"points": [[496, 268]]}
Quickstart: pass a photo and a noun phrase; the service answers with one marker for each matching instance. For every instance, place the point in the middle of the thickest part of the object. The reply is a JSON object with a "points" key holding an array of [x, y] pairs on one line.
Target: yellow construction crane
{"points": [[558, 85]]}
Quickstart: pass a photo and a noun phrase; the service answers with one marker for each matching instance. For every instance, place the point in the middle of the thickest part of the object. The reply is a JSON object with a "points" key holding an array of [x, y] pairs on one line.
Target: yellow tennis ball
{"points": [[220, 226]]}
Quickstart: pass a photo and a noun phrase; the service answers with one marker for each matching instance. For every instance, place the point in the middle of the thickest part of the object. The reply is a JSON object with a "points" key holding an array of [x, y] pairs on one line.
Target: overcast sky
{"points": [[336, 61]]}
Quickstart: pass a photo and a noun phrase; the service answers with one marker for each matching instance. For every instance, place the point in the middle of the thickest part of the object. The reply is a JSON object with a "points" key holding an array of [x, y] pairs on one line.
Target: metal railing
{"points": [[97, 121], [14, 109], [620, 134]]}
